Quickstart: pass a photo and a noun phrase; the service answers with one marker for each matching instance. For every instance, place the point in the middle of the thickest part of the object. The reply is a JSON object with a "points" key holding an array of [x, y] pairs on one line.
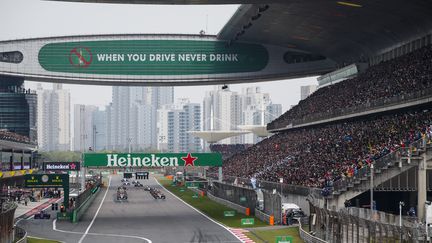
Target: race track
{"points": [[139, 219]]}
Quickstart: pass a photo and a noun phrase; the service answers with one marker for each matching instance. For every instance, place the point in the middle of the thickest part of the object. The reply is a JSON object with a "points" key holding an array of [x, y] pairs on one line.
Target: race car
{"points": [[121, 194], [147, 188], [126, 183], [124, 180], [135, 182], [156, 193], [42, 215], [138, 184]]}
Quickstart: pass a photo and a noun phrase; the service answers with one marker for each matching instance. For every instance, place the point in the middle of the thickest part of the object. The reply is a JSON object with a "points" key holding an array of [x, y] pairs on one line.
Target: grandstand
{"points": [[332, 139]]}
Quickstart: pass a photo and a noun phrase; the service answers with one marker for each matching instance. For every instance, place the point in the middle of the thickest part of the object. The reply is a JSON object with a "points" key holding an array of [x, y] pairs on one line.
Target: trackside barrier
{"points": [[20, 235], [308, 238], [7, 211], [78, 212], [264, 217], [229, 204]]}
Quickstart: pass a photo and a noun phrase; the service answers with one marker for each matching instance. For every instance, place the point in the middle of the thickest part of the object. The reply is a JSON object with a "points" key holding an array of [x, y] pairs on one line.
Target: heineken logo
{"points": [[152, 160], [61, 166]]}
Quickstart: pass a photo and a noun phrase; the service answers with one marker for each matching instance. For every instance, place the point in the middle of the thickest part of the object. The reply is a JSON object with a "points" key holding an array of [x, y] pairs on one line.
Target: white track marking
{"points": [[43, 238], [221, 225], [99, 234], [97, 211]]}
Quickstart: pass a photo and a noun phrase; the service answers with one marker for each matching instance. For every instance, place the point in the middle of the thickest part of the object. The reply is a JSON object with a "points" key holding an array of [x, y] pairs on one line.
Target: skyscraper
{"points": [[53, 118], [222, 112], [174, 122], [99, 129], [83, 127], [225, 110], [132, 116]]}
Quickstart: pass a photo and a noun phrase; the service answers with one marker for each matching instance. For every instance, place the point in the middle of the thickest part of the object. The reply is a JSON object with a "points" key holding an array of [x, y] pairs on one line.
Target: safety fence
{"points": [[7, 212], [227, 203], [20, 235], [308, 237], [245, 197], [341, 226], [269, 185], [85, 202]]}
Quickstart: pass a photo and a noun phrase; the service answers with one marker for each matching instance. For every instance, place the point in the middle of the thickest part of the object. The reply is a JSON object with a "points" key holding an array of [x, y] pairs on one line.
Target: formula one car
{"points": [[121, 193], [156, 193], [126, 183], [42, 215], [138, 184], [147, 188], [124, 180]]}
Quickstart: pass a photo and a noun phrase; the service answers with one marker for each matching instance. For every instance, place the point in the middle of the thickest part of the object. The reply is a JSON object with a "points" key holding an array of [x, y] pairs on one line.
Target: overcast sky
{"points": [[33, 18]]}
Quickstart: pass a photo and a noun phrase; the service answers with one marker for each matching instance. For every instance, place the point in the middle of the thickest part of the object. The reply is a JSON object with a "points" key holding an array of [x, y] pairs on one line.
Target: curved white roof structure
{"points": [[259, 130], [215, 136]]}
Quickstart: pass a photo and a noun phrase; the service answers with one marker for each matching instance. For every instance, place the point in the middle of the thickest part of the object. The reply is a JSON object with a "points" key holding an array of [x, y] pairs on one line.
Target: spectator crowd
{"points": [[228, 150], [395, 78], [14, 137], [317, 156]]}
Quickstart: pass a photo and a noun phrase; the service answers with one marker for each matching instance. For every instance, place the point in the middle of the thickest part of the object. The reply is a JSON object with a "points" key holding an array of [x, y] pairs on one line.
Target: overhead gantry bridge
{"points": [[263, 40]]}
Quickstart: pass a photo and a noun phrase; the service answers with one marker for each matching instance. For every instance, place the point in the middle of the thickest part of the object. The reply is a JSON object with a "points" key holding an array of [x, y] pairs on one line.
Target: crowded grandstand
{"points": [[318, 155]]}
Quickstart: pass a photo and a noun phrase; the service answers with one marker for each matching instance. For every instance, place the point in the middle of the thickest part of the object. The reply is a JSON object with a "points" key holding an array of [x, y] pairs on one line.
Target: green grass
{"points": [[37, 240], [210, 208], [270, 235]]}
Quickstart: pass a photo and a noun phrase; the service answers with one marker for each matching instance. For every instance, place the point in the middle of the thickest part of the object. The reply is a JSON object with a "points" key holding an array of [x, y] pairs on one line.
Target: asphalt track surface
{"points": [[139, 219]]}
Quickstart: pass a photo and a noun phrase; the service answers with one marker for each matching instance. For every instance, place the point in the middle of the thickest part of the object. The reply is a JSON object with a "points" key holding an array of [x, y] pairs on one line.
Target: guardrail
{"points": [[270, 185], [20, 235], [79, 211], [227, 203], [307, 237], [7, 212], [262, 216]]}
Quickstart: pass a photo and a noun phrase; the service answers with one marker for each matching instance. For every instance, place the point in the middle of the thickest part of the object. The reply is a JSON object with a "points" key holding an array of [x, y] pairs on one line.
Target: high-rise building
{"points": [[53, 118], [307, 90], [174, 122], [84, 131], [132, 116], [257, 110], [99, 120], [223, 112], [18, 111]]}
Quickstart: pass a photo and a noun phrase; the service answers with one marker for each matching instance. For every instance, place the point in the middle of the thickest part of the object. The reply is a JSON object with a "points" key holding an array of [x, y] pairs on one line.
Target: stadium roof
{"points": [[342, 31], [215, 136]]}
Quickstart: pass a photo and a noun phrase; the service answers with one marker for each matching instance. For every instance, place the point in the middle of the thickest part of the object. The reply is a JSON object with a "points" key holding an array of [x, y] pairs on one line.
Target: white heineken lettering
{"points": [[122, 161], [146, 161], [57, 167], [155, 160], [173, 161], [136, 161], [165, 161], [112, 160]]}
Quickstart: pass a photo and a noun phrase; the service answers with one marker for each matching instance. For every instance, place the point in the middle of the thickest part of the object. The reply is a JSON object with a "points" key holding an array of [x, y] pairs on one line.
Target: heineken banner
{"points": [[153, 57], [152, 160], [65, 166]]}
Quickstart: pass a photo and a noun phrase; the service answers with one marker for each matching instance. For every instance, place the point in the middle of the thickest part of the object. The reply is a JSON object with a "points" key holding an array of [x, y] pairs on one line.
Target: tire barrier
{"points": [[7, 212]]}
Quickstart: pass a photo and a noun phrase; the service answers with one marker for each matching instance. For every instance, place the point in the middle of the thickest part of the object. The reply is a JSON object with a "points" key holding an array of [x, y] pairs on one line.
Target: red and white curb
{"points": [[240, 234]]}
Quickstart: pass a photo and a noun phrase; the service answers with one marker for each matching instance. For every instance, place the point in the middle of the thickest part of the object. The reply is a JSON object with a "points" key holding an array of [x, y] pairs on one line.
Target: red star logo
{"points": [[189, 160], [72, 166]]}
